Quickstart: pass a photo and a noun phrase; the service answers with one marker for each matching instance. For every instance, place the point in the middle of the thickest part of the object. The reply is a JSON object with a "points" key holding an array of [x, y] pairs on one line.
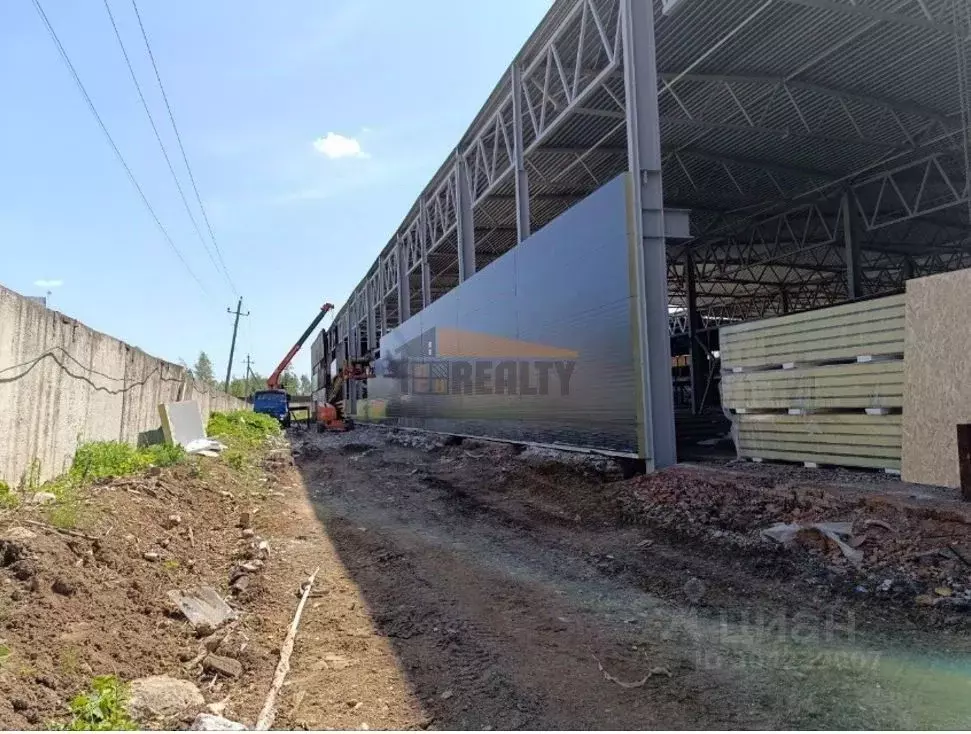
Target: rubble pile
{"points": [[889, 546]]}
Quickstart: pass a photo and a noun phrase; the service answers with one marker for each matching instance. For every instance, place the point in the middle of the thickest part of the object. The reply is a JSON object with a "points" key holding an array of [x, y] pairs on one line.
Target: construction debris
{"points": [[221, 665], [265, 720], [834, 532], [212, 722], [182, 423], [204, 447], [161, 697], [203, 607], [659, 670]]}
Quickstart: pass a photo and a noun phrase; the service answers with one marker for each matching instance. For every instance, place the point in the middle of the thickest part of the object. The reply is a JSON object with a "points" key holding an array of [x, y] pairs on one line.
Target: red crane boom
{"points": [[273, 382]]}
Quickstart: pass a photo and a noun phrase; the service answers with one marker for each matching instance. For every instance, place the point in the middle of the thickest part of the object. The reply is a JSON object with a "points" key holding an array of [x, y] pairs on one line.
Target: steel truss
{"points": [[546, 85], [805, 187]]}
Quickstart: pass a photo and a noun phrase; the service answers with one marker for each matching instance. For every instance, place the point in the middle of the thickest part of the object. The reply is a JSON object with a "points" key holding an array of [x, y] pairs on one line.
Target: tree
{"points": [[238, 388], [203, 370], [289, 382], [305, 386]]}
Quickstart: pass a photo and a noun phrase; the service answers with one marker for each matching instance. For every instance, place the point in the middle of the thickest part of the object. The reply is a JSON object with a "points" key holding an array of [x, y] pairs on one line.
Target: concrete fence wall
{"points": [[62, 383]]}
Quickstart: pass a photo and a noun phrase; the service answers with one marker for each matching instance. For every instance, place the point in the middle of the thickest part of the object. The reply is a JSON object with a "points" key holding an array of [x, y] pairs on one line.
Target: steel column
{"points": [[465, 226], [404, 285], [519, 161], [907, 268], [851, 243], [426, 273], [650, 257], [698, 359], [383, 295], [372, 330], [345, 352]]}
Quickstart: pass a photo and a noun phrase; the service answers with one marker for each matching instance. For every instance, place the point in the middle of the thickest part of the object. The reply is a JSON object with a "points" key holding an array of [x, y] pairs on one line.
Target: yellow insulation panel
{"points": [[848, 439], [865, 328], [855, 385]]}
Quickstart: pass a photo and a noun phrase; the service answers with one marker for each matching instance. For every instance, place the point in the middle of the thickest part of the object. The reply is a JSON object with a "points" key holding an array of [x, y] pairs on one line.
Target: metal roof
{"points": [[780, 121]]}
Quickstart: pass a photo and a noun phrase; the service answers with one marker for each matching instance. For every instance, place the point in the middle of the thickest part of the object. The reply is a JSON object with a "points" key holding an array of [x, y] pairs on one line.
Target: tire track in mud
{"points": [[497, 608]]}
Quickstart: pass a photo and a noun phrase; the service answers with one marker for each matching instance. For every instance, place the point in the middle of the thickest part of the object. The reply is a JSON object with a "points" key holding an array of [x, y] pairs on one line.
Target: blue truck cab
{"points": [[273, 402]]}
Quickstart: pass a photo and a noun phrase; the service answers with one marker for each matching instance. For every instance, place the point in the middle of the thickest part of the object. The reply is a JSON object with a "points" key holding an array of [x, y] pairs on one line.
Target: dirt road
{"points": [[515, 593]]}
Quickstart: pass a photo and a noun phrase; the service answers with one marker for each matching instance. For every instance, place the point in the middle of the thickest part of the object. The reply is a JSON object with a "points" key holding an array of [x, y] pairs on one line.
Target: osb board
{"points": [[937, 375], [874, 327]]}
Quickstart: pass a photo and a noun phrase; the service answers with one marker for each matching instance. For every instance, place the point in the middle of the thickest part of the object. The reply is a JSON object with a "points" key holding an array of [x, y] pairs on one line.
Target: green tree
{"points": [[203, 370], [305, 386], [290, 382], [240, 387]]}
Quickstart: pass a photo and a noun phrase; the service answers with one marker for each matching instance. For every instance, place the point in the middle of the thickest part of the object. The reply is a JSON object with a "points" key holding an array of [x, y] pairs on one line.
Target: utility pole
{"points": [[248, 373], [232, 346]]}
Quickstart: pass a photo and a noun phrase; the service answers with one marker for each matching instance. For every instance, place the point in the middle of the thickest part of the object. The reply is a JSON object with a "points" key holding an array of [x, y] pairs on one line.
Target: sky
{"points": [[310, 129]]}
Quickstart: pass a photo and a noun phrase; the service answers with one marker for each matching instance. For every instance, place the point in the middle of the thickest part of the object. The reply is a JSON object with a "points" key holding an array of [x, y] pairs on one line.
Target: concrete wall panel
{"points": [[61, 382]]}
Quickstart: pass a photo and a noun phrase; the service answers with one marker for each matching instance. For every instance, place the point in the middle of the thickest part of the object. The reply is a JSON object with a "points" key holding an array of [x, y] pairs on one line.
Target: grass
{"points": [[69, 661], [8, 498], [93, 460], [244, 433], [101, 459], [65, 514], [242, 429], [30, 480], [102, 708]]}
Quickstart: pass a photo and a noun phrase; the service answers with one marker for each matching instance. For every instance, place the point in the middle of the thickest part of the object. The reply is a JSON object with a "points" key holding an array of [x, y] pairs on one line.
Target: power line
{"points": [[121, 159], [158, 137], [178, 137]]}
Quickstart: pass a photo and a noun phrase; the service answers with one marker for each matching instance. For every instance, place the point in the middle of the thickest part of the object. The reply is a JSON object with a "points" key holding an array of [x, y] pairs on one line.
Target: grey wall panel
{"points": [[537, 346]]}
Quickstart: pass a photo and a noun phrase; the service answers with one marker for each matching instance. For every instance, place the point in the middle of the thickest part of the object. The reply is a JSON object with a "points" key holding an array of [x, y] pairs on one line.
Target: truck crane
{"points": [[274, 400]]}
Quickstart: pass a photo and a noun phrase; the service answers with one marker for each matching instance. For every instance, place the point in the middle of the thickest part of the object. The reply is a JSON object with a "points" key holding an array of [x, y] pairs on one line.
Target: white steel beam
{"points": [[426, 280], [650, 257], [372, 329], [522, 180], [464, 220], [404, 290]]}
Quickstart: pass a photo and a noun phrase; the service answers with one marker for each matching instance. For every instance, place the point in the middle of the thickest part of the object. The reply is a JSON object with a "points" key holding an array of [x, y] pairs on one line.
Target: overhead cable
{"points": [[178, 138], [158, 138], [121, 159]]}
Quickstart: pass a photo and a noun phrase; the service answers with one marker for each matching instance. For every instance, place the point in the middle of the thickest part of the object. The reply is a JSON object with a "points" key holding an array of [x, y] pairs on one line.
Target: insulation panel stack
{"points": [[821, 387]]}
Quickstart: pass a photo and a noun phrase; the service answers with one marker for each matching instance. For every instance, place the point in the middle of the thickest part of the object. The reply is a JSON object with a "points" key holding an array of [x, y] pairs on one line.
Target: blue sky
{"points": [[311, 127]]}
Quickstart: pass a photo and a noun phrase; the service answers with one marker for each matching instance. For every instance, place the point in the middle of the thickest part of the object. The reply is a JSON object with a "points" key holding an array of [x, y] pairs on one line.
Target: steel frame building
{"points": [[821, 147]]}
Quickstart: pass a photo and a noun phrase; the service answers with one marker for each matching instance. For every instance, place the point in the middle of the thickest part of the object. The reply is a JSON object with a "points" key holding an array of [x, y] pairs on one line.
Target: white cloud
{"points": [[335, 145], [48, 283]]}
